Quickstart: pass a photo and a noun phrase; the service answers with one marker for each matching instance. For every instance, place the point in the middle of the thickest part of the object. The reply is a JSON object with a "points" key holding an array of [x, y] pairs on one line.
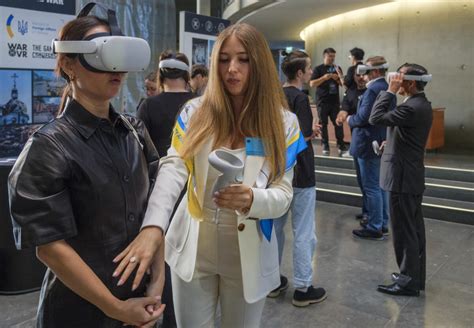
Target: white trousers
{"points": [[217, 280]]}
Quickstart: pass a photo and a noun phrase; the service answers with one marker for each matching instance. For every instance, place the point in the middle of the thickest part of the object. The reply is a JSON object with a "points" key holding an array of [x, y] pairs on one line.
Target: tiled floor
{"points": [[350, 270]]}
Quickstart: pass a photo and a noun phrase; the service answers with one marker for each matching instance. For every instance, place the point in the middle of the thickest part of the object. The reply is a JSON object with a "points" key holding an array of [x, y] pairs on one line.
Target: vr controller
{"points": [[423, 78], [229, 165], [107, 52]]}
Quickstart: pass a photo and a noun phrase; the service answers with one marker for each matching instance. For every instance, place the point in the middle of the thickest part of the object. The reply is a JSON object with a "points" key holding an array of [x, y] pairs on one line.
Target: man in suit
{"points": [[349, 107], [363, 135], [402, 173]]}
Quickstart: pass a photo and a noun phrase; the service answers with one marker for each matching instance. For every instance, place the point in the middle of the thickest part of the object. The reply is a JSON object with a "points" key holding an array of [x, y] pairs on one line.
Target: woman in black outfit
{"points": [[79, 191]]}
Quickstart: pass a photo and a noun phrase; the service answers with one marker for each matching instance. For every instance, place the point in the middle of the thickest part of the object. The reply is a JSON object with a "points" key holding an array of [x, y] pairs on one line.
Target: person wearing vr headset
{"points": [[402, 172], [159, 112], [79, 189], [221, 246], [363, 136], [297, 67], [349, 107]]}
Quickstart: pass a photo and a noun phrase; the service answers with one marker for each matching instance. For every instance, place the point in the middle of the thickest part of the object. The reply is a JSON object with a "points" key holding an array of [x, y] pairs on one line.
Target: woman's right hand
{"points": [[141, 252], [134, 311]]}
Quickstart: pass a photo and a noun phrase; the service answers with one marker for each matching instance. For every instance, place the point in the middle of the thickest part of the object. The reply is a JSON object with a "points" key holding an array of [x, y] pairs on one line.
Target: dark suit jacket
{"points": [[402, 168], [363, 133]]}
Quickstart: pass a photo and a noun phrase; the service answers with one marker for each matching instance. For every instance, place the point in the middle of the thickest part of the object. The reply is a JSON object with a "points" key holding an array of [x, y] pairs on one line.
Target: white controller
{"points": [[229, 165]]}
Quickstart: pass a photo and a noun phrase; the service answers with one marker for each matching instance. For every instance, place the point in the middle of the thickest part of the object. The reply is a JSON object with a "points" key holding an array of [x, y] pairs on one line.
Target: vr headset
{"points": [[107, 52], [173, 63], [364, 69], [423, 78]]}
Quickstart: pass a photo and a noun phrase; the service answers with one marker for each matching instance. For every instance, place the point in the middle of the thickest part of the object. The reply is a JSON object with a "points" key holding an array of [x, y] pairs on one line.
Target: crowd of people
{"points": [[107, 199]]}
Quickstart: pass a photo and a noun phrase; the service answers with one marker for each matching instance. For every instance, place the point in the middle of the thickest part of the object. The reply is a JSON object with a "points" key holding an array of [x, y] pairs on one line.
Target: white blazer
{"points": [[259, 257]]}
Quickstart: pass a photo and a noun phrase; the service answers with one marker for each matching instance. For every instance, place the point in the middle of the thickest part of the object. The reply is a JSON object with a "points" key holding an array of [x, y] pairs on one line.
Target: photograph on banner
{"points": [[46, 83], [200, 52], [210, 46], [45, 108], [15, 97], [14, 137]]}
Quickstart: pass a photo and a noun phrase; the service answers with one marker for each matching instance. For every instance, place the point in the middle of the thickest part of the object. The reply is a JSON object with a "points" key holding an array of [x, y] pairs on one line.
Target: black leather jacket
{"points": [[85, 180]]}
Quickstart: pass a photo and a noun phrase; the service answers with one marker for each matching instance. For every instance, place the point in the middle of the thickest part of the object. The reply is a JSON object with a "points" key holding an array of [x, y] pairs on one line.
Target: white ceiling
{"points": [[284, 20]]}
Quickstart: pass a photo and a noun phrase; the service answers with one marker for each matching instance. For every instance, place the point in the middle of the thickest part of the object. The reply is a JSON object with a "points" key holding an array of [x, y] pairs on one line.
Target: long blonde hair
{"points": [[264, 103]]}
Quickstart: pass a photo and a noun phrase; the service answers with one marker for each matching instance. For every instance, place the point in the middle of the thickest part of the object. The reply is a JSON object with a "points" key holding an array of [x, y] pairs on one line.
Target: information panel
{"points": [[197, 34], [29, 90]]}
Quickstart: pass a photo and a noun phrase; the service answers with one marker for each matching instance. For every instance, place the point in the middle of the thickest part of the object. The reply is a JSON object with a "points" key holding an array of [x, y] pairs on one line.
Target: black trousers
{"points": [[409, 241], [169, 317], [326, 111]]}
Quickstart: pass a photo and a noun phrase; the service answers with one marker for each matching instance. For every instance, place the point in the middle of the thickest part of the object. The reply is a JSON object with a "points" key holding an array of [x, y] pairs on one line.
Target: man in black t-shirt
{"points": [[356, 57], [327, 78]]}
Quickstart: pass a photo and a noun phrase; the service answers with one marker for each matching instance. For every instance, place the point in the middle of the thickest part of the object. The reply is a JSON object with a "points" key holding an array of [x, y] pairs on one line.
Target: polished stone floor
{"points": [[350, 270]]}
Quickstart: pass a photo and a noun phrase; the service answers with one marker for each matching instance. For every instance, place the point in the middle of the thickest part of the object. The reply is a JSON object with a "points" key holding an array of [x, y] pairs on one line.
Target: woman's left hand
{"points": [[234, 197]]}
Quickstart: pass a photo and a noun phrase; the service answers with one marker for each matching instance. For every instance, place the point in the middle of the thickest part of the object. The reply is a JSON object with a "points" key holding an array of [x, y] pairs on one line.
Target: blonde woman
{"points": [[219, 246]]}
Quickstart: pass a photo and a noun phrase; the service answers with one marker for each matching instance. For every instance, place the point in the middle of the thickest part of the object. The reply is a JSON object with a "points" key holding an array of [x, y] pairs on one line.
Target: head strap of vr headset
{"points": [[111, 17], [113, 25]]}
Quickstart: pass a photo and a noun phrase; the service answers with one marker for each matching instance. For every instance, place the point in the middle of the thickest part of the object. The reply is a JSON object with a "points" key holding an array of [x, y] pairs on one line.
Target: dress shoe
{"points": [[396, 275], [397, 290]]}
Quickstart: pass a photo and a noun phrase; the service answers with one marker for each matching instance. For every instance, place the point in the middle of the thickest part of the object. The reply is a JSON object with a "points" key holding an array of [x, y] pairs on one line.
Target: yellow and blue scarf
{"points": [[254, 147]]}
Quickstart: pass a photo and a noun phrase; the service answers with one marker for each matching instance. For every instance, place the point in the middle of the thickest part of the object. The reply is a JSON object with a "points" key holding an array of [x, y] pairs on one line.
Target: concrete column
{"points": [[203, 7]]}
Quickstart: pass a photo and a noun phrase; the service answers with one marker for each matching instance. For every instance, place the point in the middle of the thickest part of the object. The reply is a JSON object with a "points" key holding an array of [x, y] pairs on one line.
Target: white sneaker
{"points": [[344, 153]]}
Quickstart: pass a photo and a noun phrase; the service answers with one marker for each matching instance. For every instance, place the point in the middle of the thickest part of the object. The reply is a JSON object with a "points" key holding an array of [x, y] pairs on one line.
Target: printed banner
{"points": [[30, 92]]}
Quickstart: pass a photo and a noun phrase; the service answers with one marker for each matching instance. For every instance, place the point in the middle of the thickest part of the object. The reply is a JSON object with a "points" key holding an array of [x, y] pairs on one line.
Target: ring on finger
{"points": [[133, 259]]}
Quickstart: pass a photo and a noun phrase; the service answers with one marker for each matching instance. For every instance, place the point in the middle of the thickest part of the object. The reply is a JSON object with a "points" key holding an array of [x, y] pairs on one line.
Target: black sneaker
{"points": [[283, 286], [367, 234], [361, 216], [312, 295], [363, 223], [326, 150]]}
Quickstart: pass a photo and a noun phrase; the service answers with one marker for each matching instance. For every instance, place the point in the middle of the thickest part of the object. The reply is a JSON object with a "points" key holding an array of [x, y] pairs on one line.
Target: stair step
{"points": [[432, 172], [435, 208], [455, 190]]}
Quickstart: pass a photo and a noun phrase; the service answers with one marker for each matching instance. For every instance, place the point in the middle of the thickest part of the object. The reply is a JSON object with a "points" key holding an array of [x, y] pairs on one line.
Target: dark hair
{"points": [[415, 69], [293, 62], [357, 53], [172, 73], [355, 69], [74, 30], [329, 51], [199, 69], [151, 76], [377, 61]]}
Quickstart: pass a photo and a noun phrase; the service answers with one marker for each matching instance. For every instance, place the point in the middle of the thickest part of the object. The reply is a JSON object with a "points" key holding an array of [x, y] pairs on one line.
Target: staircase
{"points": [[449, 194]]}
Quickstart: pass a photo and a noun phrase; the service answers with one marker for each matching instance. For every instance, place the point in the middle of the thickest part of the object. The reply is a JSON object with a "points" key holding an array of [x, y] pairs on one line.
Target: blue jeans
{"points": [[302, 210], [359, 182], [377, 199]]}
